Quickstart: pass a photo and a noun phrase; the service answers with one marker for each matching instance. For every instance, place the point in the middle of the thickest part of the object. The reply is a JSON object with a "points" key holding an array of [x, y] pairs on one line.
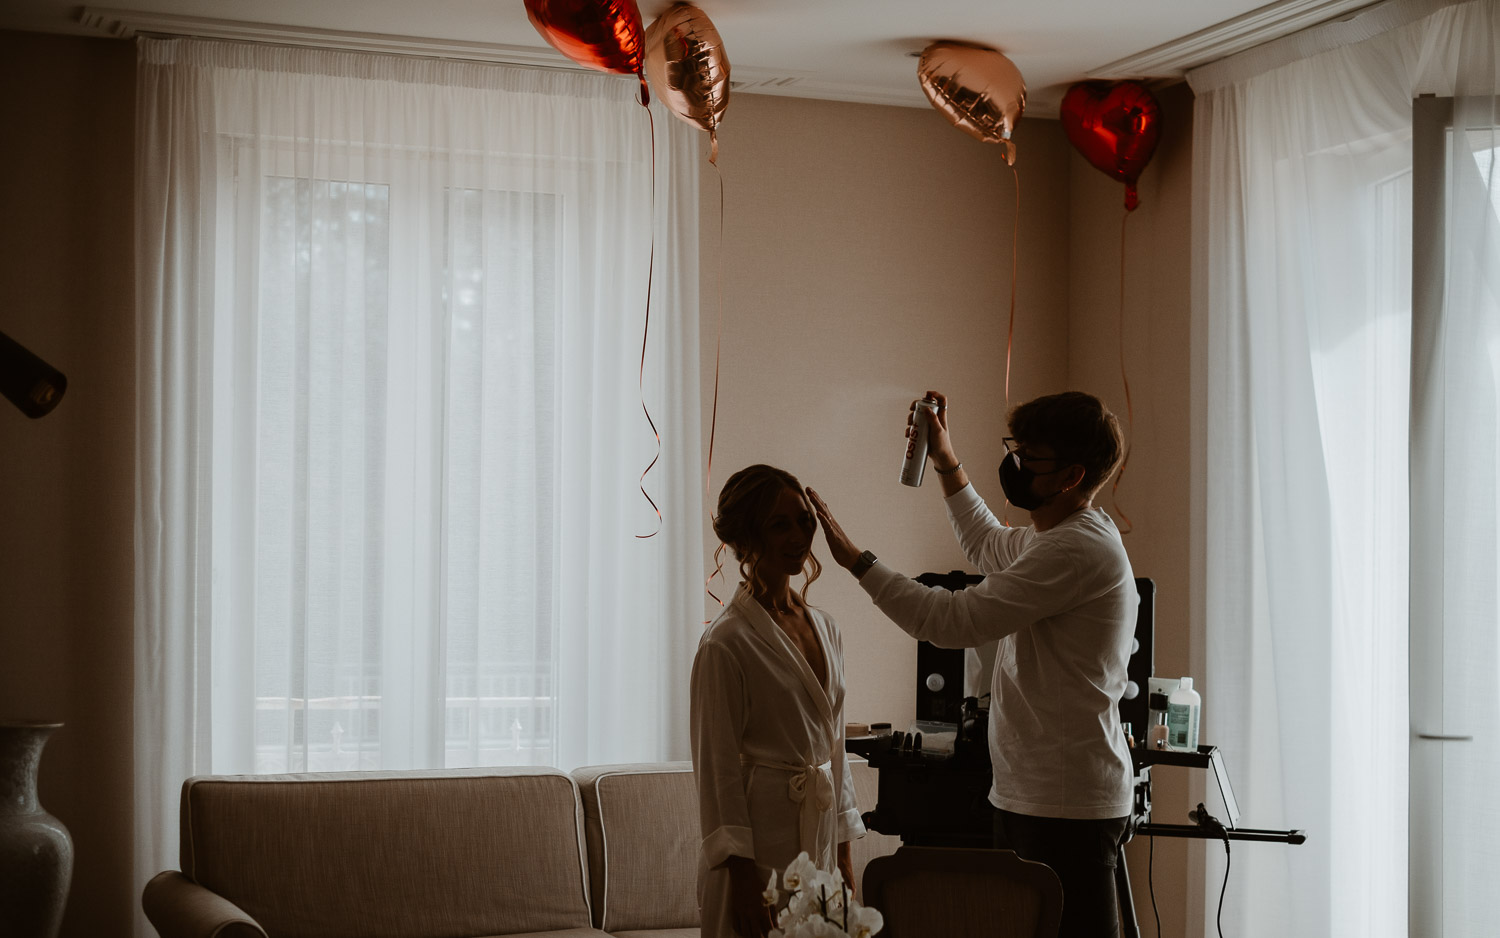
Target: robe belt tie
{"points": [[811, 788]]}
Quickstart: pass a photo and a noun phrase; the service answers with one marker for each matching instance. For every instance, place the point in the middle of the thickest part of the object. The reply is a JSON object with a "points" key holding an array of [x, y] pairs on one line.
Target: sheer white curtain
{"points": [[1303, 178], [1455, 469], [390, 429]]}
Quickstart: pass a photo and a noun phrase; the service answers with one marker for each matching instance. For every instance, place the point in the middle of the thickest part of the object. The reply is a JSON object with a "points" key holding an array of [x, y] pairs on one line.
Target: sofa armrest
{"points": [[180, 908]]}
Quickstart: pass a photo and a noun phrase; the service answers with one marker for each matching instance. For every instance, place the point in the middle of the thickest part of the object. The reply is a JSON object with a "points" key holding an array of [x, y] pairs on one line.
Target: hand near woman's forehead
{"points": [[840, 546]]}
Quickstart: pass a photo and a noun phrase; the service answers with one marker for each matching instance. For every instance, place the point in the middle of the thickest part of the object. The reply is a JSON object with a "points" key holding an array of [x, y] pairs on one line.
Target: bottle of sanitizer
{"points": [[1183, 709]]}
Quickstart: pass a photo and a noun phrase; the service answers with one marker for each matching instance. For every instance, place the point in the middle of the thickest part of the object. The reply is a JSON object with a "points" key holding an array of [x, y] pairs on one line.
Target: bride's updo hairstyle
{"points": [[745, 503]]}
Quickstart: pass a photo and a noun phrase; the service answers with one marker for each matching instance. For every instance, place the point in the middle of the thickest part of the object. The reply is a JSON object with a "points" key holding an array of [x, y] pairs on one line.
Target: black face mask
{"points": [[1016, 480]]}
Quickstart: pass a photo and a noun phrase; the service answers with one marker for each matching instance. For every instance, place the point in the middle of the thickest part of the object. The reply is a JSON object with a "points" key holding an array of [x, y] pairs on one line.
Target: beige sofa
{"points": [[474, 853]]}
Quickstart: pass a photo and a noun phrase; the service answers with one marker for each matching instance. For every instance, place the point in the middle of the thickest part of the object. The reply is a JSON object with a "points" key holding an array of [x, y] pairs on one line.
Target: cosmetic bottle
{"points": [[1156, 733], [1184, 707]]}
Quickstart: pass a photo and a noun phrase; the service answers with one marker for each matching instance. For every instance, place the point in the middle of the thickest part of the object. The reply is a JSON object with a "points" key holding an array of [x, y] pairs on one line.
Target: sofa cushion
{"points": [[392, 855], [693, 932], [643, 845]]}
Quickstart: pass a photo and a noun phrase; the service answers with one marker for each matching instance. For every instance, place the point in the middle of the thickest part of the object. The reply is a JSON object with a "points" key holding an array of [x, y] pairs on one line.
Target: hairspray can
{"points": [[916, 443]]}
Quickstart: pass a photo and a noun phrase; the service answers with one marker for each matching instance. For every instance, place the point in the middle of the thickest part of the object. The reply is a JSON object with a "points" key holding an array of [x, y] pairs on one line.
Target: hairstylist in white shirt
{"points": [[1060, 597]]}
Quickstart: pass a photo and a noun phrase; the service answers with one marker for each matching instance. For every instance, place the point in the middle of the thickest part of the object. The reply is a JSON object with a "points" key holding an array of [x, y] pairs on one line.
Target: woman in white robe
{"points": [[768, 713]]}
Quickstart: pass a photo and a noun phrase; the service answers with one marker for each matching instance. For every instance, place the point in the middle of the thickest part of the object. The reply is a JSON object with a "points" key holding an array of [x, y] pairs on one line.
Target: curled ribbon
{"points": [[646, 331]]}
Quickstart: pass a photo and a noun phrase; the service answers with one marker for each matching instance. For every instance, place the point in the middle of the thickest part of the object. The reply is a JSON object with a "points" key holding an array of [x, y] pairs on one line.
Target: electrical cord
{"points": [[1220, 919], [1211, 824], [1151, 880]]}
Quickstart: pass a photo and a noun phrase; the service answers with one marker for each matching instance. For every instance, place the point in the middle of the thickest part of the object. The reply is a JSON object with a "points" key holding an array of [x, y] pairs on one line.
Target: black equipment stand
{"points": [[941, 798], [1204, 827]]}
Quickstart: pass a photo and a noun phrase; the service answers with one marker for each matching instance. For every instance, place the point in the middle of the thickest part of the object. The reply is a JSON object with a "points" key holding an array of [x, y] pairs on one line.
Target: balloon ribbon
{"points": [[1015, 254], [646, 331], [1114, 492], [713, 422], [1010, 334]]}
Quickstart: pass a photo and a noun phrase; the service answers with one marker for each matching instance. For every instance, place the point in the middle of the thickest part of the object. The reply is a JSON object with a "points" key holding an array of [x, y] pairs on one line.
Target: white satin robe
{"points": [[768, 751]]}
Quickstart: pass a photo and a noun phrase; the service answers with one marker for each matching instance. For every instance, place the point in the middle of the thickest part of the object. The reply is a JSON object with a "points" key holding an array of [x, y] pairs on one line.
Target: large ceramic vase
{"points": [[36, 853]]}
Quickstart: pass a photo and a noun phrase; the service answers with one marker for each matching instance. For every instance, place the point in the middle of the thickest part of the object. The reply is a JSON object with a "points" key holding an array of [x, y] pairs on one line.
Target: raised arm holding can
{"points": [[1059, 596]]}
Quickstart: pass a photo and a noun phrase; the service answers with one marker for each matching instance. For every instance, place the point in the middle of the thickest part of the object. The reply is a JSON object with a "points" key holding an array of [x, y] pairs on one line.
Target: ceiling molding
{"points": [[1168, 60], [127, 24], [751, 80], [1173, 59]]}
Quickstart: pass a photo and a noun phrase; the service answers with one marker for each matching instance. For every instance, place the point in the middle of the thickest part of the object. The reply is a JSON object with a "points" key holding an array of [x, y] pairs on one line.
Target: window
{"points": [[1455, 510], [391, 331], [1351, 425], [328, 460]]}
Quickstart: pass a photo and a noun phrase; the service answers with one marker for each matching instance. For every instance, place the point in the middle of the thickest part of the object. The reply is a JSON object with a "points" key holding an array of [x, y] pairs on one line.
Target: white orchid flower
{"points": [[803, 928], [786, 918], [819, 904], [835, 891], [820, 882], [798, 872], [804, 903], [864, 921], [822, 928]]}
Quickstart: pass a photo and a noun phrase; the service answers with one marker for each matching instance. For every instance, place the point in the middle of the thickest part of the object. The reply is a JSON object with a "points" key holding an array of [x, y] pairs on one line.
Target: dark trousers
{"points": [[1083, 854]]}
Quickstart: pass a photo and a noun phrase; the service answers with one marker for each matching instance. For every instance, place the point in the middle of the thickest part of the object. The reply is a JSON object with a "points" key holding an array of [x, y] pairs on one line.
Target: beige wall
{"points": [[67, 480], [867, 257]]}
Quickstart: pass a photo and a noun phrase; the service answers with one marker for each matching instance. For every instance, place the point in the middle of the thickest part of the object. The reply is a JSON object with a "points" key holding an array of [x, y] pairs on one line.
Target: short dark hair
{"points": [[1079, 429]]}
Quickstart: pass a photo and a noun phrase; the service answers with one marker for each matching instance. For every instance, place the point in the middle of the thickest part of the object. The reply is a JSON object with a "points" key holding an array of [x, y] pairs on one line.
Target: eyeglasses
{"points": [[1017, 450]]}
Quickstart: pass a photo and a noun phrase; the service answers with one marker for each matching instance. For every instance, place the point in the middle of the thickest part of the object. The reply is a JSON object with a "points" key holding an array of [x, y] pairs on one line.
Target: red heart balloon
{"points": [[1115, 126], [602, 34]]}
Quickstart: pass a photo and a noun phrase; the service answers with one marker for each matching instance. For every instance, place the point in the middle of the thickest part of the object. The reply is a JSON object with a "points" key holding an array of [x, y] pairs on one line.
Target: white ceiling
{"points": [[853, 50]]}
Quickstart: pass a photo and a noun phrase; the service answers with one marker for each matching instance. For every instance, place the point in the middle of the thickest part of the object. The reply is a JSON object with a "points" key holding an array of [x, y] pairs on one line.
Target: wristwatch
{"points": [[863, 564]]}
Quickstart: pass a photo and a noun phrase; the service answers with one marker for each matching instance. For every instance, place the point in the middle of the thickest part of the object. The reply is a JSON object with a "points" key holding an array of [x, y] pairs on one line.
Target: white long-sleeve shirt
{"points": [[768, 751], [1063, 605]]}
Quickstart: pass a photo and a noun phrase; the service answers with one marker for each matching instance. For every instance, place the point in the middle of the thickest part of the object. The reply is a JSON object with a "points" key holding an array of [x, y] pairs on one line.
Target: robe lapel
{"points": [[771, 633]]}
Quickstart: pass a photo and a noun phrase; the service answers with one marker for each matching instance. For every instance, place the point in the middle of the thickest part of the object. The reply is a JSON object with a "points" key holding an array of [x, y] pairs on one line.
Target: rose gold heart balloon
{"points": [[686, 64], [979, 90]]}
